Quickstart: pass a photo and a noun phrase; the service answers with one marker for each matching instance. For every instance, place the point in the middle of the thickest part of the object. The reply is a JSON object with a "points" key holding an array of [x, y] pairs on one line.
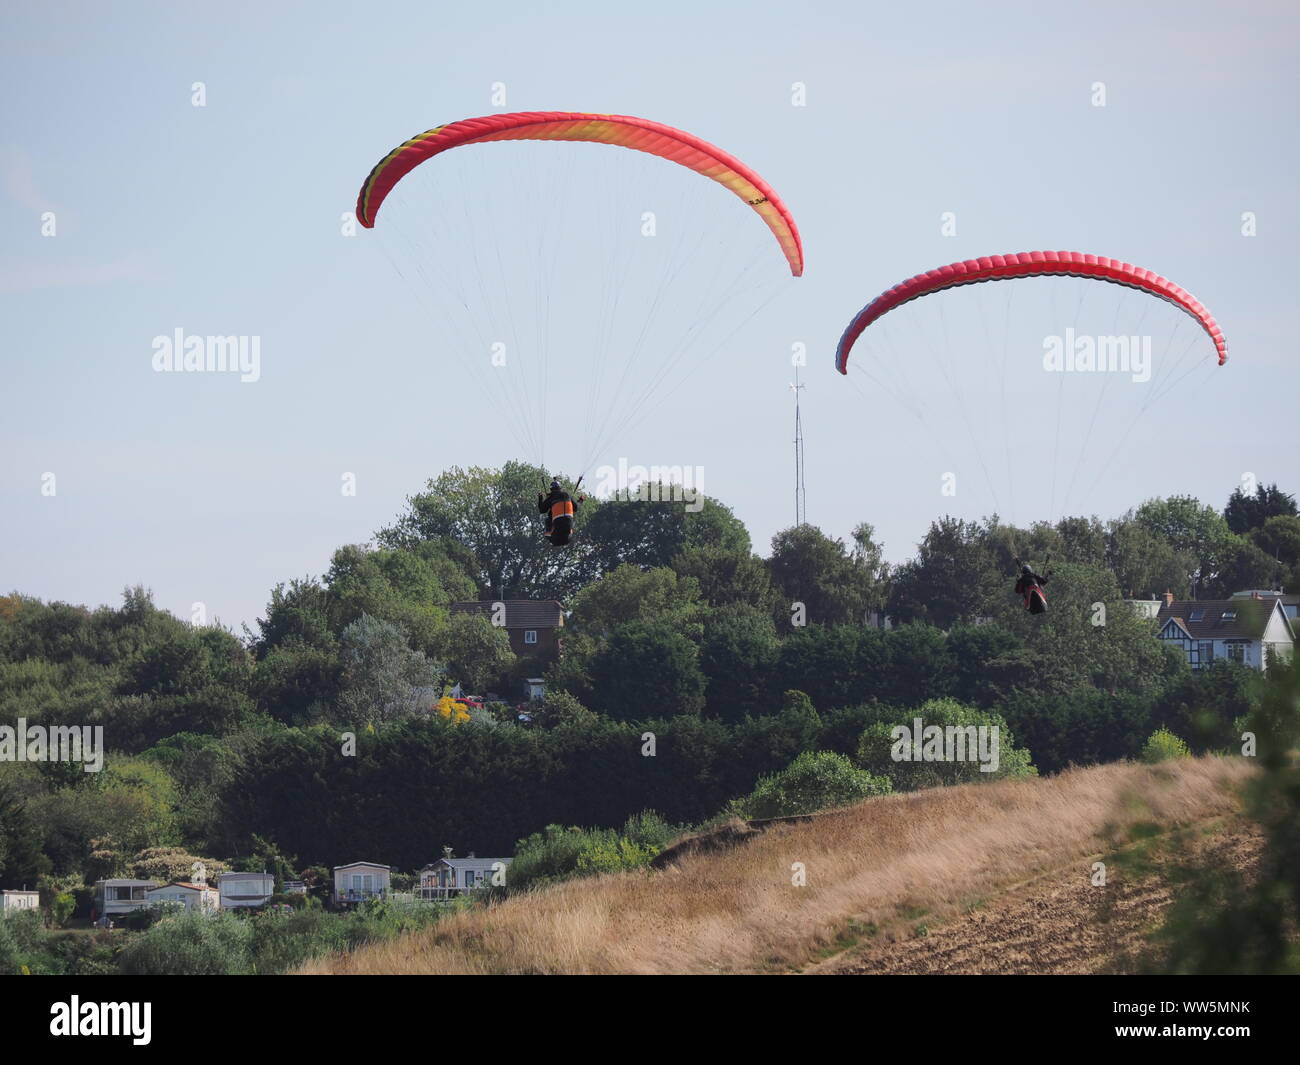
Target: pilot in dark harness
{"points": [[1030, 587], [560, 509]]}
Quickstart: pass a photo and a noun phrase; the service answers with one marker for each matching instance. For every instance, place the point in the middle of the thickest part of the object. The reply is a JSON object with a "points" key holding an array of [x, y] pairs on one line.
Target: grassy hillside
{"points": [[882, 871]]}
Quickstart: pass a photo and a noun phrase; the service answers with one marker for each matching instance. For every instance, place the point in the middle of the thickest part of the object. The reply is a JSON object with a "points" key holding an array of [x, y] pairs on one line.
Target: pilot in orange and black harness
{"points": [[560, 509]]}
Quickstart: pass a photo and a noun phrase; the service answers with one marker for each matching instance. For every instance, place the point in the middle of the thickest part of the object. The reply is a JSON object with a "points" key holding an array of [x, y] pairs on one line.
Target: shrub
{"points": [[191, 944], [24, 946], [949, 755], [1162, 745], [559, 852], [816, 780]]}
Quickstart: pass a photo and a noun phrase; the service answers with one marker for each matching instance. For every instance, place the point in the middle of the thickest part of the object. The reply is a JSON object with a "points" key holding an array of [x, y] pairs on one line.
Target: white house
{"points": [[118, 896], [1146, 608], [1290, 603], [202, 897], [1249, 630], [12, 900], [358, 881], [245, 890], [448, 877]]}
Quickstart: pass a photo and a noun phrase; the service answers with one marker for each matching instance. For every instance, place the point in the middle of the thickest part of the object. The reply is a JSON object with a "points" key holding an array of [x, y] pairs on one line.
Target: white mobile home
{"points": [[448, 877], [19, 900], [245, 890], [116, 897], [202, 897], [358, 881]]}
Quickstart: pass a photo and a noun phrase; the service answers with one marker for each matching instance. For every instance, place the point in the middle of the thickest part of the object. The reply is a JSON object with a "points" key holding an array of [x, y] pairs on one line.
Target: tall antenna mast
{"points": [[800, 502]]}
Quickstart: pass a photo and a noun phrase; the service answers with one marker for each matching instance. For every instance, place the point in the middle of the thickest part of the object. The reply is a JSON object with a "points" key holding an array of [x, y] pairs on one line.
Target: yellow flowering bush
{"points": [[455, 712]]}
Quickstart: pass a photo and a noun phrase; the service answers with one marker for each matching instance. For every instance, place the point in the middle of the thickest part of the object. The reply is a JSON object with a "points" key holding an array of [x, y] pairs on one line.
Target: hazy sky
{"points": [[226, 219]]}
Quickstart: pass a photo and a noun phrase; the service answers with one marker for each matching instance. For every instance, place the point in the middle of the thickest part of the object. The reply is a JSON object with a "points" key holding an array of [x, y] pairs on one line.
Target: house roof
{"points": [[520, 613], [245, 876], [186, 885], [1221, 619], [1266, 593], [473, 864], [370, 865]]}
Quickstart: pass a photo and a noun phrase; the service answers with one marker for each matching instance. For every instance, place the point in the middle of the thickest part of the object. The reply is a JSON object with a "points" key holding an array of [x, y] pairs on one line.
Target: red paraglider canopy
{"points": [[639, 134], [1028, 264]]}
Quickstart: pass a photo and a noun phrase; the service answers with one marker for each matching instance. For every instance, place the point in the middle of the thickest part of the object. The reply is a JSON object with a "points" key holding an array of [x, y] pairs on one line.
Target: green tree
{"points": [[629, 594], [1246, 512], [297, 683], [737, 656], [1082, 540], [647, 669], [22, 859], [949, 751], [298, 612], [954, 578], [411, 588], [382, 677], [726, 575], [1090, 638], [1144, 563], [834, 666], [1243, 565], [1279, 536], [814, 781], [477, 652], [1189, 527], [836, 584], [493, 515]]}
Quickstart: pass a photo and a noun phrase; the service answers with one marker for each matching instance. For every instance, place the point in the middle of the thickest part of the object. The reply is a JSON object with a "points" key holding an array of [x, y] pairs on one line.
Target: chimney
{"points": [[1169, 598]]}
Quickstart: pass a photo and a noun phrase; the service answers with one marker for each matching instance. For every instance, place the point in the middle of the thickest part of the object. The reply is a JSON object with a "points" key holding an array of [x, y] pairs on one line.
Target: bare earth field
{"points": [[1051, 926], [990, 878]]}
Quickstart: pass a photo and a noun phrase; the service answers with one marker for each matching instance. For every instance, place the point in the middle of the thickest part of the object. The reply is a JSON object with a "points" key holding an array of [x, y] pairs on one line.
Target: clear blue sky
{"points": [[225, 220]]}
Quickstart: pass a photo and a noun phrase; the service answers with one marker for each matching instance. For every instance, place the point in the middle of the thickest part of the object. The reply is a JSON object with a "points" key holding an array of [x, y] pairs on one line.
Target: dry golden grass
{"points": [[888, 862]]}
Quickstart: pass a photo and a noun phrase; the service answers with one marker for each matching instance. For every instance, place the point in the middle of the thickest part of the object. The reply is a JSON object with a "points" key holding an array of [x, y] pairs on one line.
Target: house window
{"points": [[530, 635], [1207, 652], [469, 878], [1196, 615], [1229, 615], [1237, 651]]}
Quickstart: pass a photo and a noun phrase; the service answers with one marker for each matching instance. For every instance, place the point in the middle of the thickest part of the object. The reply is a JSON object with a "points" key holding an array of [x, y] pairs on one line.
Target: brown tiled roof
{"points": [[1252, 617], [520, 613]]}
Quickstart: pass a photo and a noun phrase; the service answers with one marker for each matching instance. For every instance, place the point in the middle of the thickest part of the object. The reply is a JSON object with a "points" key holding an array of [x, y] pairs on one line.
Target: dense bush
{"points": [[1163, 745], [190, 944], [950, 749], [24, 946], [816, 780], [560, 852]]}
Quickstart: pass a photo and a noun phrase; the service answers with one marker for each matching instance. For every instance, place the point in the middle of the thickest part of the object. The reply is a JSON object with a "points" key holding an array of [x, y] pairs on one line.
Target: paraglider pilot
{"points": [[1030, 587], [560, 509]]}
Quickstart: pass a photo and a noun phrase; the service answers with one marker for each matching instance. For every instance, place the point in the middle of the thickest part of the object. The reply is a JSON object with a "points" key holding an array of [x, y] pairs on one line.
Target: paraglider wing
{"points": [[636, 133], [1028, 264]]}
